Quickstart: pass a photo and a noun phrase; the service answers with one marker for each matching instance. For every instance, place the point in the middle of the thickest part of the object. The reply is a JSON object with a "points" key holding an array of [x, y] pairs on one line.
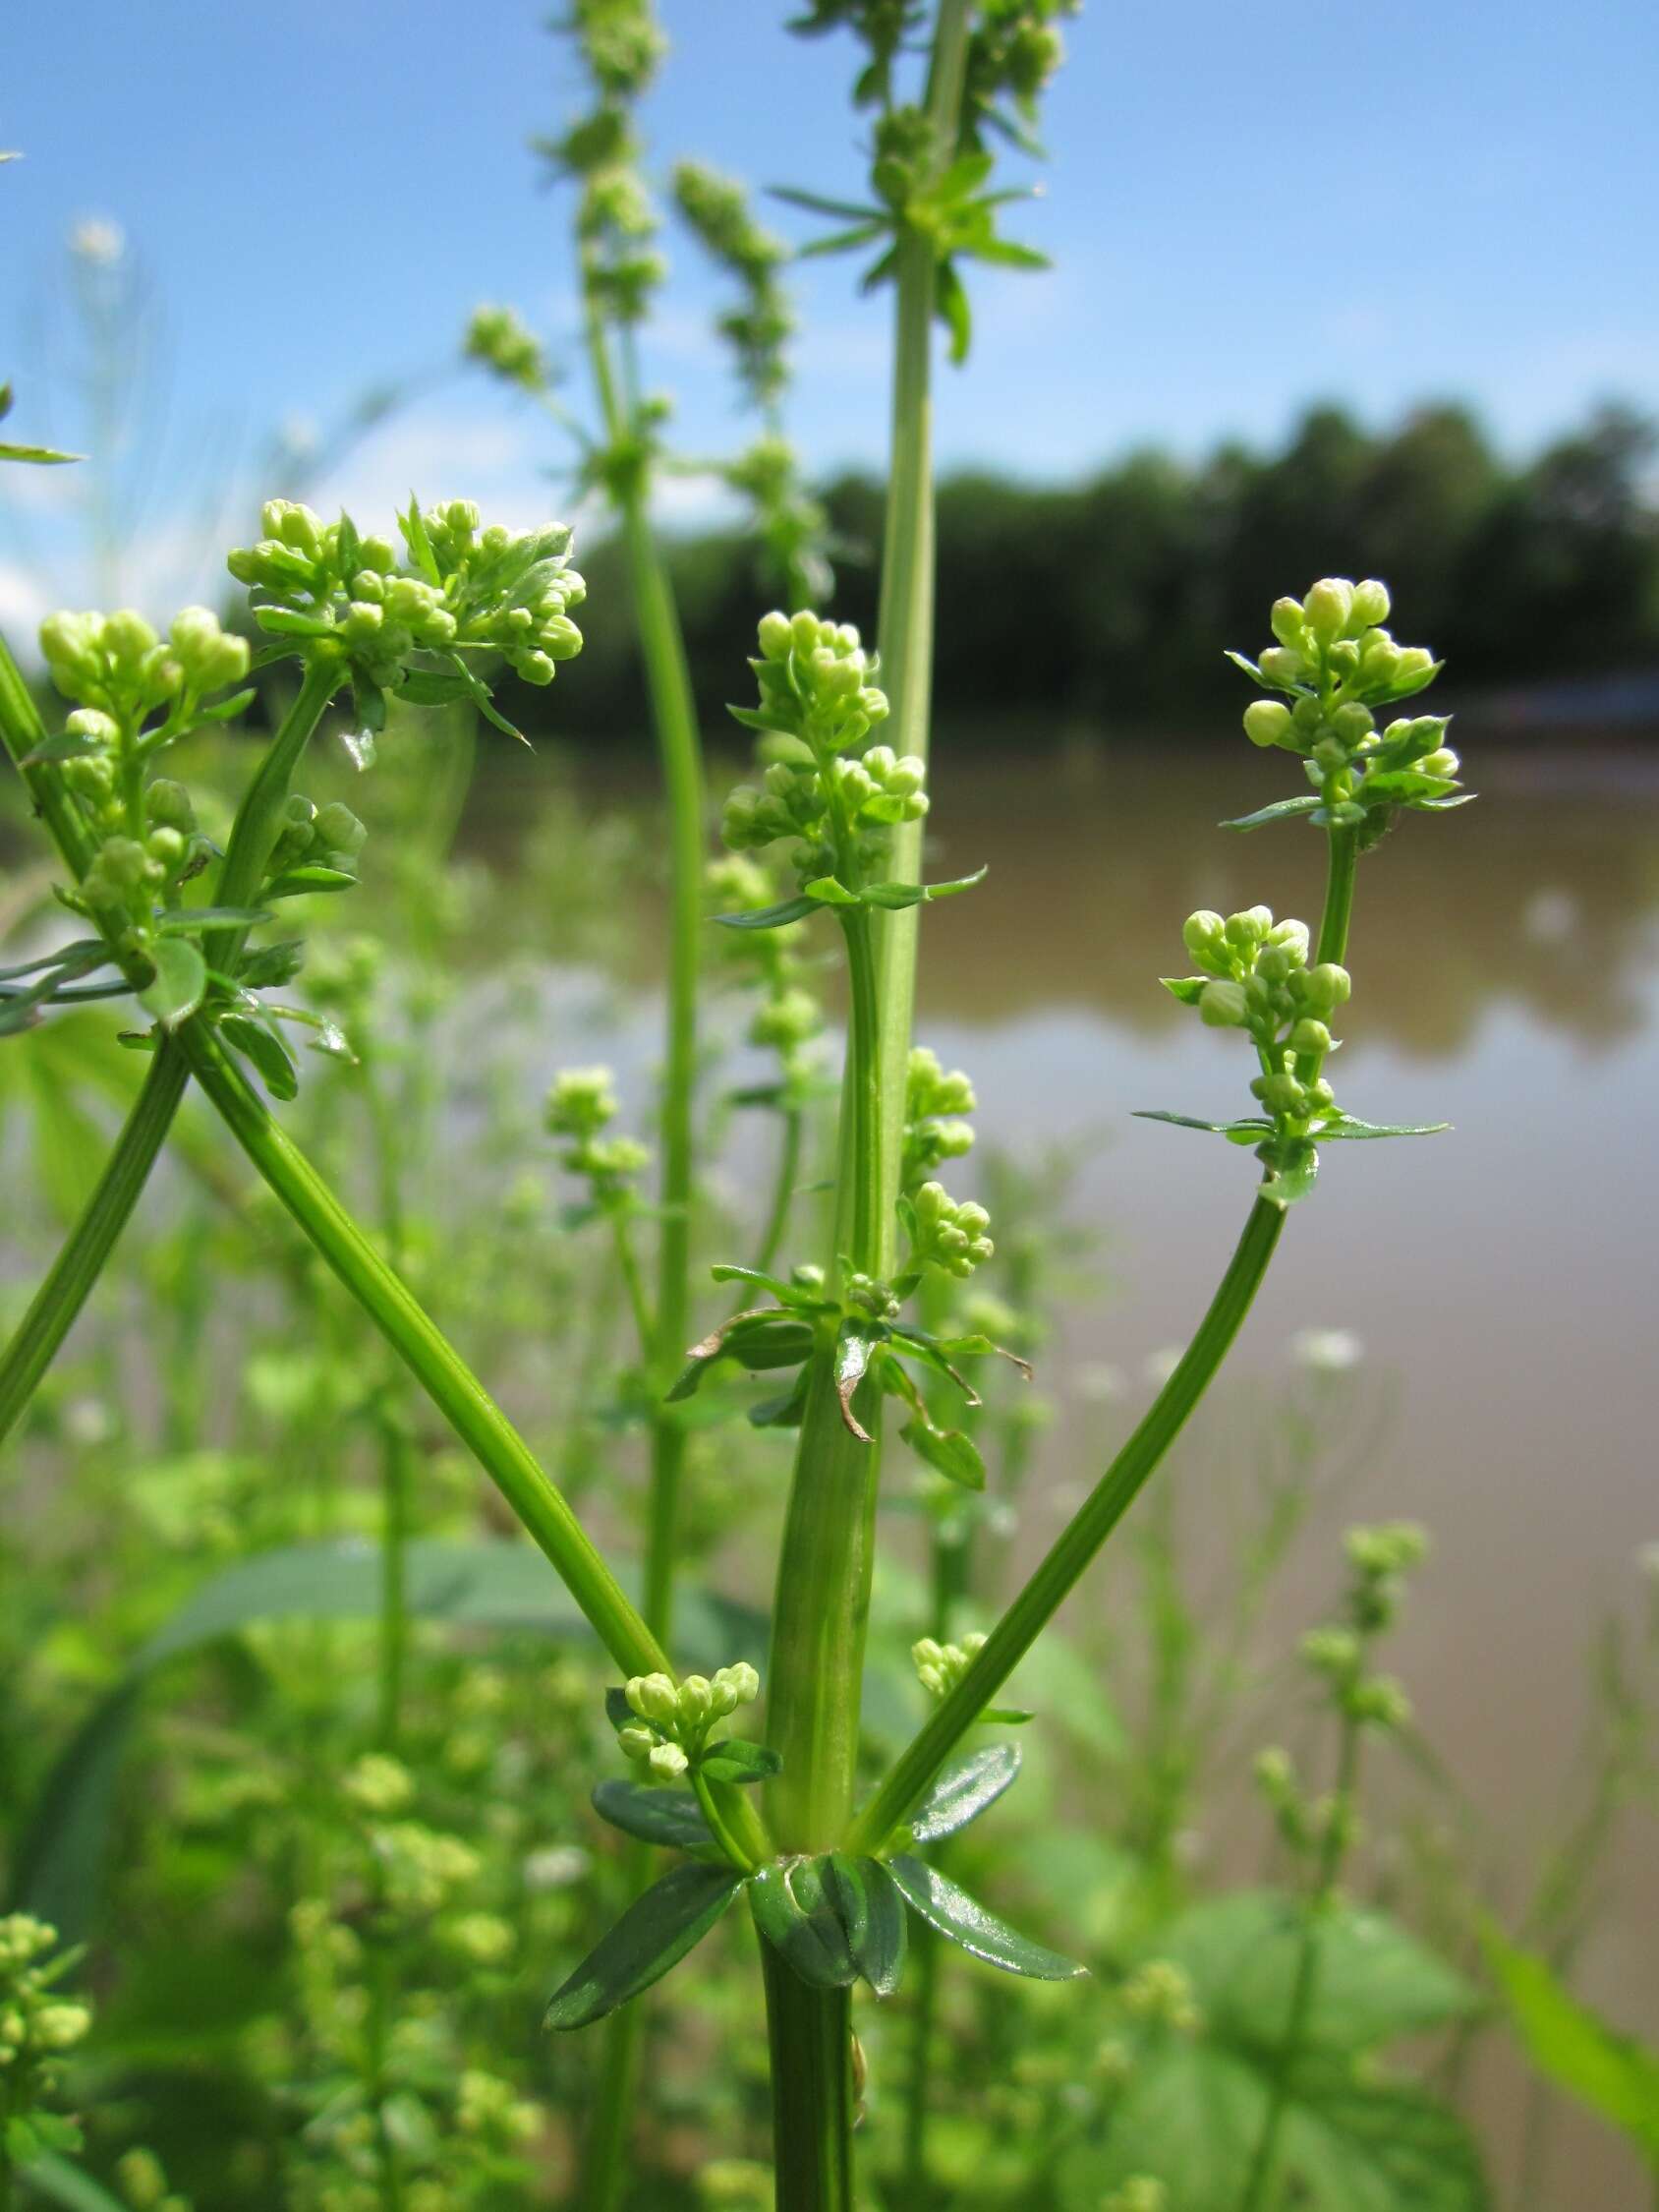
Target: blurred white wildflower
{"points": [[1328, 1351]]}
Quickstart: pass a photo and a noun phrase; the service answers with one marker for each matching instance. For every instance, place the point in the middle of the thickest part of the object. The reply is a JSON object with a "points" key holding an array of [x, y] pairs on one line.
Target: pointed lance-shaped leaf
{"points": [[868, 1904], [792, 1912], [736, 1760], [181, 978], [656, 1816], [965, 1921], [965, 1791], [1282, 810], [655, 1932]]}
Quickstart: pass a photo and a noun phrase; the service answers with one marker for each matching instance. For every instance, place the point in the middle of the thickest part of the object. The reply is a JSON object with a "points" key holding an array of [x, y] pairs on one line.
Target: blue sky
{"points": [[1248, 208]]}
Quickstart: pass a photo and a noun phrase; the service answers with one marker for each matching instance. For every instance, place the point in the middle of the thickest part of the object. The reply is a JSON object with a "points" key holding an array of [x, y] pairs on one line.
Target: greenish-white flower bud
{"points": [[1379, 660], [1293, 936], [1445, 762], [1380, 1702], [1281, 1093], [1204, 935], [1330, 755], [1326, 607], [1310, 1035], [89, 722], [1328, 985], [167, 806], [668, 1762], [1319, 1096], [1222, 1006], [1332, 1651], [1250, 926], [1283, 667], [777, 634], [1370, 605], [166, 847], [126, 638], [637, 1743], [338, 829], [696, 1700], [1354, 724], [804, 631], [1287, 623], [1415, 661], [580, 1101], [654, 1697], [1267, 721]]}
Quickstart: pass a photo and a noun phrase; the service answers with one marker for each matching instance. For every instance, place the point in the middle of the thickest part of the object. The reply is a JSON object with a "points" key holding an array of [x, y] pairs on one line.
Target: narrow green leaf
{"points": [[894, 895], [420, 545], [830, 892], [181, 977], [950, 1451], [1344, 1126], [786, 1294], [57, 2182], [1247, 1130], [190, 921], [965, 1791], [655, 1932], [794, 1915], [67, 744], [292, 882], [267, 1052], [816, 204], [40, 455], [738, 1761], [656, 1816], [771, 1337], [1615, 2075], [1293, 1171], [965, 1921], [1282, 810], [771, 917], [868, 1904], [1188, 989]]}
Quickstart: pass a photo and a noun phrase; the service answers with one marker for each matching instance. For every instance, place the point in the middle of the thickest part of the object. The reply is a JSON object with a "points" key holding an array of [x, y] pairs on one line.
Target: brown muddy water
{"points": [[1500, 1279]]}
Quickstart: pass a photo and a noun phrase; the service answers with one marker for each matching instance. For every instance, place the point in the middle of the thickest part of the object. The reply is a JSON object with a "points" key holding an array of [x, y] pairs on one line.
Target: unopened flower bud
{"points": [[1310, 1036], [1282, 667], [696, 1700], [1328, 985], [1326, 607], [1370, 605], [1286, 621], [637, 1743], [776, 636], [654, 1697], [1249, 927], [1352, 724], [1267, 721], [1222, 1006], [1415, 661], [668, 1762]]}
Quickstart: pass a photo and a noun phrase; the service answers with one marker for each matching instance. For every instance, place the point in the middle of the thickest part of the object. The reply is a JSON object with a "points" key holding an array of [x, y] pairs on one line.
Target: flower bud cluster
{"points": [[671, 1721], [463, 589], [789, 1018], [329, 837], [489, 2107], [1014, 50], [507, 347], [37, 2026], [934, 1128], [117, 666], [825, 784], [1255, 977], [1336, 664], [1161, 1994], [579, 1108], [793, 526], [947, 1234], [621, 42], [940, 1667], [717, 210]]}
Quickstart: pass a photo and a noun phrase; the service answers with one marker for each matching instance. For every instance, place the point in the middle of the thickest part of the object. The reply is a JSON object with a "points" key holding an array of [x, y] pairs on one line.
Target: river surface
{"points": [[1500, 1279]]}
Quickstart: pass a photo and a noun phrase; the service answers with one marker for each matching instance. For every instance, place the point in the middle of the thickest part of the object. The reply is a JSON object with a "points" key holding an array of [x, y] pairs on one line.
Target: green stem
{"points": [[1075, 1548], [433, 1362], [810, 2033], [85, 1253], [1332, 1848], [906, 620], [395, 1489], [258, 819]]}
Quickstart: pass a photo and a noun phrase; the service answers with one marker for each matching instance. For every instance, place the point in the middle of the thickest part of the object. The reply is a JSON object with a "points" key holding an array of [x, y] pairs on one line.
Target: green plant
{"points": [[833, 1872]]}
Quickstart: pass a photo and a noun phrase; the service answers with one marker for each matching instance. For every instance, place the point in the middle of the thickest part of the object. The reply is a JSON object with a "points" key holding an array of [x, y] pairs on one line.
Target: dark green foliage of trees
{"points": [[1516, 573]]}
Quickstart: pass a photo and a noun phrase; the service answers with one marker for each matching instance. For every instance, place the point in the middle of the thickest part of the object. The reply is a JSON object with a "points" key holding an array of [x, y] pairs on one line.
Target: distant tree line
{"points": [[1105, 604]]}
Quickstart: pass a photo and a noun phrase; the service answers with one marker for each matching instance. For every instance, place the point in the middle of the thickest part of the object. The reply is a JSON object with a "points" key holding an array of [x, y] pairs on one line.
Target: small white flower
{"points": [[98, 241], [1327, 1351]]}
